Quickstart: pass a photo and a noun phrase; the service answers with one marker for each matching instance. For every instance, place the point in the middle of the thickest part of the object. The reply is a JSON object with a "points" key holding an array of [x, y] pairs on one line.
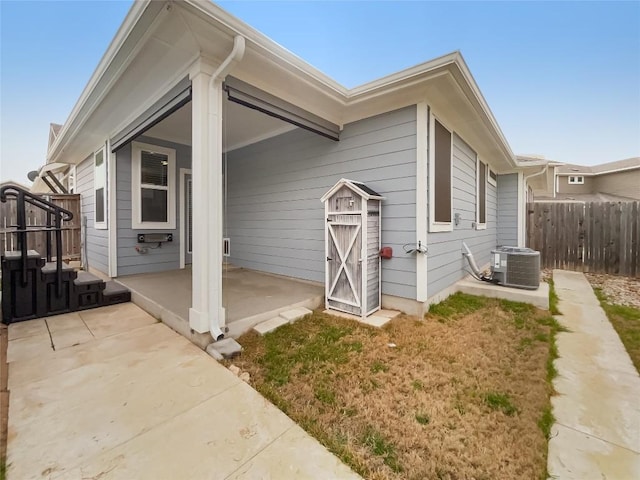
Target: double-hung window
{"points": [[100, 188], [440, 150], [576, 180], [481, 195], [153, 196]]}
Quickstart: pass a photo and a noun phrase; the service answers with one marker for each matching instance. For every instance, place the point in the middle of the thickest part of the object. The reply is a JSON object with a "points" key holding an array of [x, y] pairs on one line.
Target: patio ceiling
{"points": [[241, 126]]}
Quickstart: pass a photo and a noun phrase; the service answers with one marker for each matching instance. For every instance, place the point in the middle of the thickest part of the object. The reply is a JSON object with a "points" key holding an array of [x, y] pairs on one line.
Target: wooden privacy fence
{"points": [[71, 244], [598, 237]]}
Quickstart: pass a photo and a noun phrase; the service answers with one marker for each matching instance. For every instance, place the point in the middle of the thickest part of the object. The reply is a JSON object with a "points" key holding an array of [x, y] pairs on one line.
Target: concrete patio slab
{"points": [[111, 320], [291, 456], [70, 337], [249, 298], [597, 430], [30, 328], [65, 321], [28, 347], [144, 403], [539, 297]]}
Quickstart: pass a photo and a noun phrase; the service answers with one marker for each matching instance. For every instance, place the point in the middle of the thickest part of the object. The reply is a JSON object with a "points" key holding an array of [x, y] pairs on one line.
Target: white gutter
{"points": [[215, 130], [531, 175]]}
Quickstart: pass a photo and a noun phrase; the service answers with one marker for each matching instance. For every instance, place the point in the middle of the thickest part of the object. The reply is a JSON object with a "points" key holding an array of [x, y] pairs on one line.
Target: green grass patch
{"points": [[546, 421], [500, 401], [325, 395], [289, 346], [553, 298], [379, 366], [381, 447], [423, 418], [626, 321], [417, 385], [456, 305]]}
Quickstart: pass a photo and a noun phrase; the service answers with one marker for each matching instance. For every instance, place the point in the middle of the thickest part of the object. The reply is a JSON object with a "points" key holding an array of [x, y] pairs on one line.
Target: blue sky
{"points": [[562, 79]]}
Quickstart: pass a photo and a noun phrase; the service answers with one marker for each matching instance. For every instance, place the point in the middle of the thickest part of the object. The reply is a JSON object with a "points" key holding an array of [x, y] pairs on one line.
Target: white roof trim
{"points": [[307, 72]]}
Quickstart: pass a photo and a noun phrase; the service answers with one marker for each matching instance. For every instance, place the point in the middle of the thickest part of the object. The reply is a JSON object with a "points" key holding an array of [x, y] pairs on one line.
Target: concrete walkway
{"points": [[112, 394], [597, 409]]}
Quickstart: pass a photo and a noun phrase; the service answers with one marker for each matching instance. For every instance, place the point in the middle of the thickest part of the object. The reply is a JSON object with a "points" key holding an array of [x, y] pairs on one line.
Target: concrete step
{"points": [[288, 316], [226, 347], [270, 325], [295, 314]]}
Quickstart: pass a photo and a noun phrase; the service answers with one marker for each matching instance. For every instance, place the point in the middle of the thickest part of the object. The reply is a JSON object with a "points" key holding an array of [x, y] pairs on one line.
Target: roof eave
{"points": [[131, 20]]}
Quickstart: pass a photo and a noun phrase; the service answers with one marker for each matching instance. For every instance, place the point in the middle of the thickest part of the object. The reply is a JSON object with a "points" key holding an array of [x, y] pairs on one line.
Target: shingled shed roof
{"points": [[358, 187]]}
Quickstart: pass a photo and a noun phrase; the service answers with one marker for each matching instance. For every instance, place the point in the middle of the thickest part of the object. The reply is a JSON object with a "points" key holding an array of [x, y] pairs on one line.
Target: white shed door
{"points": [[344, 263]]}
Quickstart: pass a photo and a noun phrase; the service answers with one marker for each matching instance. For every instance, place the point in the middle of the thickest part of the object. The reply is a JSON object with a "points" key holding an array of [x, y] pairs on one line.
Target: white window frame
{"points": [[479, 225], [492, 181], [136, 187], [433, 225], [576, 180], [100, 181]]}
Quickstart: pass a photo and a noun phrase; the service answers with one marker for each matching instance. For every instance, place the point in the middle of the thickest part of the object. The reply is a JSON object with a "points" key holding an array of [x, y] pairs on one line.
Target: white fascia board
{"points": [[453, 63], [238, 27]]}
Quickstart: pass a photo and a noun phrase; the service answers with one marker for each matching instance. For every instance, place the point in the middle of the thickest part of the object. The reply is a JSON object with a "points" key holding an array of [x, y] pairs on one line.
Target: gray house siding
{"points": [[275, 219], [445, 263], [508, 209], [625, 184], [97, 247], [166, 257]]}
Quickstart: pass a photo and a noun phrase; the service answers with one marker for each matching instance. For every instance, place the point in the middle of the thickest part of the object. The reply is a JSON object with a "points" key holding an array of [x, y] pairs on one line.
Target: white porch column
{"points": [[206, 153]]}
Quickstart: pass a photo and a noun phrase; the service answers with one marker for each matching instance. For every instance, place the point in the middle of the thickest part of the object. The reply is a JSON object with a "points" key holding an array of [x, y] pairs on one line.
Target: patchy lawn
{"points": [[626, 320], [463, 393]]}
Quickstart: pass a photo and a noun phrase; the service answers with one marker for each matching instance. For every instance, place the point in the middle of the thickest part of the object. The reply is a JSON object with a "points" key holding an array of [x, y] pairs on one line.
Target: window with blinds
{"points": [[481, 204], [153, 186]]}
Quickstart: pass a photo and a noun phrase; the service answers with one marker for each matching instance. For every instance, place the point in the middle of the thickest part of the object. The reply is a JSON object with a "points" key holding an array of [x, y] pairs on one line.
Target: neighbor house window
{"points": [[481, 195], [153, 187], [440, 148], [576, 180], [100, 188]]}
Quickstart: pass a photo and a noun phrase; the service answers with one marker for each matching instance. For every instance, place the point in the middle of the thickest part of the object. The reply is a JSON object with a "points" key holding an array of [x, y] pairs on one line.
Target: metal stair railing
{"points": [[55, 216]]}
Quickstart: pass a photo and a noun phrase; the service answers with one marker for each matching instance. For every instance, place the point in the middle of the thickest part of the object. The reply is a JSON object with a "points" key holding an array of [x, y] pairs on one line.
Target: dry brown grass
{"points": [[459, 397]]}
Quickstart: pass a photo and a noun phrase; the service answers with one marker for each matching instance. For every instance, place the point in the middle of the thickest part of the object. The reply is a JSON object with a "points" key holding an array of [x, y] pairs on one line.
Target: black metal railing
{"points": [[55, 215]]}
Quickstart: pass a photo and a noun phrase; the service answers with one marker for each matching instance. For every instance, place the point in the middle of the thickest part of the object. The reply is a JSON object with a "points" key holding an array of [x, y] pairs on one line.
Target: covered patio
{"points": [[248, 297]]}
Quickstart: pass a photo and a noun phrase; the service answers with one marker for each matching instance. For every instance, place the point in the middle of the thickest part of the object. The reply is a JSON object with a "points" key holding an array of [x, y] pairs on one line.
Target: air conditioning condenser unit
{"points": [[516, 267]]}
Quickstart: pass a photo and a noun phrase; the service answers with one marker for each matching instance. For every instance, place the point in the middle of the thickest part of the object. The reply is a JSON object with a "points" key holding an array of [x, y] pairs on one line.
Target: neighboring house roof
{"points": [[538, 172], [603, 168], [584, 198], [167, 35]]}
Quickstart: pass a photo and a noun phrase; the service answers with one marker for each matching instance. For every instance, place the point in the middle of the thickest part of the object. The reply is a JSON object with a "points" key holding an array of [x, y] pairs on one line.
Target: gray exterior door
{"points": [[188, 217], [344, 263]]}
